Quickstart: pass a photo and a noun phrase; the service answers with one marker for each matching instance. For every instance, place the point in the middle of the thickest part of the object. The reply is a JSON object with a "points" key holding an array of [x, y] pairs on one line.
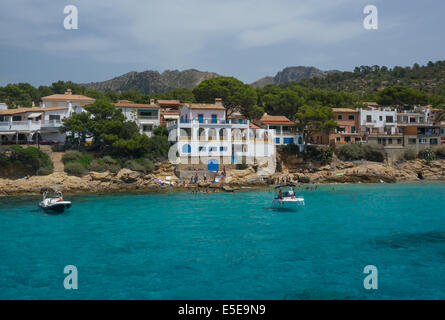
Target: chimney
{"points": [[69, 91], [152, 101], [218, 101]]}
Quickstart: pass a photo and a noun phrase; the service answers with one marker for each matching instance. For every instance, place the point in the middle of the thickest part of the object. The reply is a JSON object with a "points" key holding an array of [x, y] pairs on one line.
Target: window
{"points": [[379, 140], [17, 118], [200, 118], [351, 117], [286, 128], [213, 149], [412, 141], [389, 119], [201, 148], [147, 114], [357, 139], [288, 140], [368, 118], [399, 141], [434, 141], [340, 129], [54, 117], [222, 148], [422, 140], [390, 141], [2, 118], [214, 118], [146, 128], [347, 139], [352, 129], [277, 140], [340, 117], [186, 148], [412, 120], [337, 139]]}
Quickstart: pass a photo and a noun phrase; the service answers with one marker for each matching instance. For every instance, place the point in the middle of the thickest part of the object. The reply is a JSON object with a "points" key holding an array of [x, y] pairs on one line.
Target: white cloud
{"points": [[173, 31]]}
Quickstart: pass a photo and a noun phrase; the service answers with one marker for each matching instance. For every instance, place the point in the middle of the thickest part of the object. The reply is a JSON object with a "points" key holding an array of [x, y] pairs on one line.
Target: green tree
{"points": [[314, 118], [235, 94]]}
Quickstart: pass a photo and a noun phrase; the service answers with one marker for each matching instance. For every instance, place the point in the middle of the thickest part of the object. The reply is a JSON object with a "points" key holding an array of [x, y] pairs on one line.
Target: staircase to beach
{"points": [[56, 158]]}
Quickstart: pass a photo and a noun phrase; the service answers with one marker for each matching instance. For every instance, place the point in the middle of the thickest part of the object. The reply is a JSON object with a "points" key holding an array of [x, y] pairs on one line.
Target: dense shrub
{"points": [[4, 159], [427, 154], [44, 171], [133, 165], [70, 155], [324, 155], [146, 163], [373, 152], [409, 154], [98, 165], [75, 169], [79, 157], [440, 152], [29, 159], [291, 149], [350, 152], [358, 151]]}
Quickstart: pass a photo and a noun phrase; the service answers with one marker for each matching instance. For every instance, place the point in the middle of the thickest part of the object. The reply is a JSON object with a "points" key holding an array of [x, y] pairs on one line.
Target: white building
{"points": [[146, 116], [204, 135], [378, 120], [285, 130], [24, 125]]}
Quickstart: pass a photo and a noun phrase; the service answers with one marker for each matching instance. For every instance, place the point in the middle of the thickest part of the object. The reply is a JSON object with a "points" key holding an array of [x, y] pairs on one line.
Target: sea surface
{"points": [[229, 246]]}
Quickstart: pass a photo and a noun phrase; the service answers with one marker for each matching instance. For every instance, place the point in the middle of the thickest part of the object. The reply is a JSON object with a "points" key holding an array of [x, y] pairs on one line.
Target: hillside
{"points": [[290, 74], [152, 82], [370, 79]]}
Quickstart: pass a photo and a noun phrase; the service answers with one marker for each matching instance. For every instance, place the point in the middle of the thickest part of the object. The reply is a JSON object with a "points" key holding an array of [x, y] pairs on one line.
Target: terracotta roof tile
{"points": [[33, 109], [268, 119], [131, 104], [205, 106], [70, 97]]}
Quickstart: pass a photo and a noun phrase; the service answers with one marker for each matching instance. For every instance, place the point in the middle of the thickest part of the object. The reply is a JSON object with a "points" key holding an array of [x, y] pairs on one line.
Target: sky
{"points": [[247, 39]]}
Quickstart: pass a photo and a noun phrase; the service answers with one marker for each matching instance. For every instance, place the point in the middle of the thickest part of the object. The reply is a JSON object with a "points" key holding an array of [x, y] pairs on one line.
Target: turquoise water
{"points": [[229, 246]]}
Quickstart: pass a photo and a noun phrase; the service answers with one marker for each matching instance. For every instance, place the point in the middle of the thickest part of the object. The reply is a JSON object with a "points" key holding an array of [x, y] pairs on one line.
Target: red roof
{"points": [[268, 119], [68, 97], [169, 102], [131, 104]]}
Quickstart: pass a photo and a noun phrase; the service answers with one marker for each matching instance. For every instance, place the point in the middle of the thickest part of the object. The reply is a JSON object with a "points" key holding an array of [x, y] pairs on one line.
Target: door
{"points": [[212, 165]]}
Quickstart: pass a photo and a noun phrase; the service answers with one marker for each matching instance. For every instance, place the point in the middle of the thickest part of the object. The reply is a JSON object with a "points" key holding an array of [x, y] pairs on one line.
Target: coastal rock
{"points": [[256, 180], [100, 176], [127, 175], [304, 179]]}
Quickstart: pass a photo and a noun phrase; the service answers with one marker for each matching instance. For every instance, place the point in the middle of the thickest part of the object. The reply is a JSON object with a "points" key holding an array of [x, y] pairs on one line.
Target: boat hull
{"points": [[56, 207], [284, 203]]}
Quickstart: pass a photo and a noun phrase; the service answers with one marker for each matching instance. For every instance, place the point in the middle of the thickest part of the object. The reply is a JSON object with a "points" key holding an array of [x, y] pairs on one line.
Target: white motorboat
{"points": [[285, 197], [54, 203]]}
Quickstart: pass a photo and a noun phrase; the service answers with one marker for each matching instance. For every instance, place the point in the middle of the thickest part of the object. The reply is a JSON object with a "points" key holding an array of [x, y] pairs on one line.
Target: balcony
{"points": [[29, 125]]}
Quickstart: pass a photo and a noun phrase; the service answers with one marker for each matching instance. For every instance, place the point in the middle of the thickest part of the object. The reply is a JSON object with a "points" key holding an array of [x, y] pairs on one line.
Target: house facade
{"points": [[285, 130], [203, 135], [146, 116], [24, 125]]}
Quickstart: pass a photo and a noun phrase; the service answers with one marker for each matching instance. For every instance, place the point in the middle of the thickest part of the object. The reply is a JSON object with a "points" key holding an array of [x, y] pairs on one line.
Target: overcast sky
{"points": [[247, 39]]}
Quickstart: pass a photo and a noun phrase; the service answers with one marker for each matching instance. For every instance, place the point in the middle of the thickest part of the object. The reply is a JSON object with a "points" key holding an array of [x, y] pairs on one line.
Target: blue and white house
{"points": [[204, 135], [285, 130]]}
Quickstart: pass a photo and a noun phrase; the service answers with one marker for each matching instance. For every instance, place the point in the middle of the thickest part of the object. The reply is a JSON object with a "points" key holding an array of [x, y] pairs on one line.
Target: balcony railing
{"points": [[29, 125], [147, 117]]}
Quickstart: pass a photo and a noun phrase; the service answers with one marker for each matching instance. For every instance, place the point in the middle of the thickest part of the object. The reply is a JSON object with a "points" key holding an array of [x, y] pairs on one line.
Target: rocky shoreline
{"points": [[127, 180]]}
